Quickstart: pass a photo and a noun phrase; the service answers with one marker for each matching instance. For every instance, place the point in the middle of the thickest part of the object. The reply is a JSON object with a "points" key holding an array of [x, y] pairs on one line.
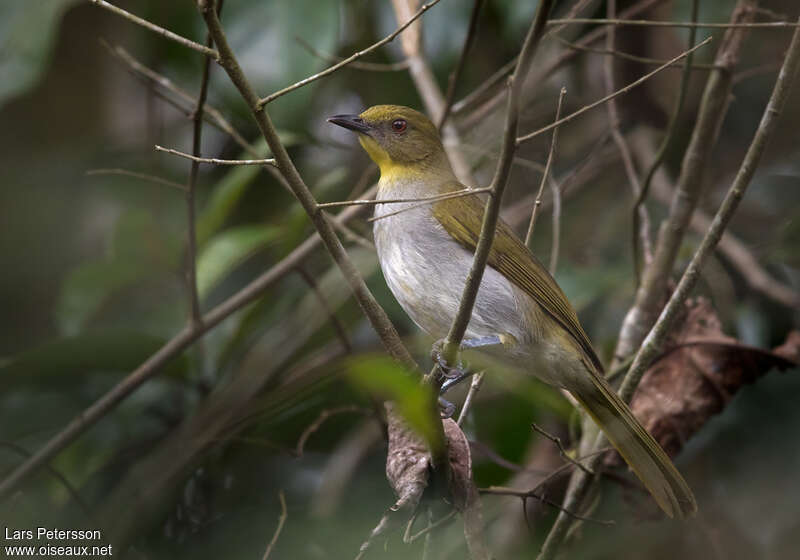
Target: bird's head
{"points": [[402, 141]]}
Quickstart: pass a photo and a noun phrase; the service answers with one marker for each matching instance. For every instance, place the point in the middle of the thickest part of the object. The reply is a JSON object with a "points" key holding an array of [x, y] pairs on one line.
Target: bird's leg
{"points": [[447, 408], [455, 374]]}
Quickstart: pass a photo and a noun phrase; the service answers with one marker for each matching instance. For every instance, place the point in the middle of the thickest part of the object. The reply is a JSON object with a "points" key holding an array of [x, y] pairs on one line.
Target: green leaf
{"points": [[59, 361], [388, 380], [27, 33], [227, 250]]}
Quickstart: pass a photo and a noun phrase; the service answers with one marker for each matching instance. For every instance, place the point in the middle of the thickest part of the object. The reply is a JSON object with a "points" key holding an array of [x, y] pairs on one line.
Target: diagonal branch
{"points": [[355, 56], [208, 51], [492, 211]]}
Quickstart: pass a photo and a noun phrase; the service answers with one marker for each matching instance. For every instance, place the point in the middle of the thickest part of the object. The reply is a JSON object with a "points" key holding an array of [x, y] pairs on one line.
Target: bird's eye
{"points": [[399, 125]]}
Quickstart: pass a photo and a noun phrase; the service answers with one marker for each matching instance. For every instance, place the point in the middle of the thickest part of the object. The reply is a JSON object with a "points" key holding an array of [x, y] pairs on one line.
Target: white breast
{"points": [[426, 270]]}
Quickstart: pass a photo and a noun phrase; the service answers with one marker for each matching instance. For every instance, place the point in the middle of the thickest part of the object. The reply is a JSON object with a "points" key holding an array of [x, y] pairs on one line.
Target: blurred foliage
{"points": [[93, 284]]}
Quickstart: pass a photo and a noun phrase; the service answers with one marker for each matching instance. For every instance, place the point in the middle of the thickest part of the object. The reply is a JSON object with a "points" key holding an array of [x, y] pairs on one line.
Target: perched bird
{"points": [[426, 250]]}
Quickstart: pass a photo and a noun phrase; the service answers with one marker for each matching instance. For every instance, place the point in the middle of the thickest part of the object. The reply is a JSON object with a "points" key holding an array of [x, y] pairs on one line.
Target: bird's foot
{"points": [[452, 374], [446, 408]]}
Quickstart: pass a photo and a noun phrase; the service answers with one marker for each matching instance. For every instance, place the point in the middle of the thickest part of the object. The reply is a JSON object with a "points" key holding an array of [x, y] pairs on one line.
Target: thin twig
{"points": [[628, 56], [563, 452], [156, 29], [172, 348], [642, 223], [351, 235], [655, 338], [474, 387], [525, 494], [355, 56], [687, 24], [215, 161], [665, 143], [279, 528], [492, 211], [452, 81], [321, 419], [538, 201], [338, 328], [431, 526], [713, 107], [617, 93], [137, 175], [356, 65], [493, 82], [454, 194], [431, 198], [555, 241]]}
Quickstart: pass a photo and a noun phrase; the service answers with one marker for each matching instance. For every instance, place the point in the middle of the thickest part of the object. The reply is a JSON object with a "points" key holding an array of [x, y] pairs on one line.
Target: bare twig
{"points": [[338, 328], [409, 538], [137, 175], [628, 56], [156, 29], [555, 241], [526, 494], [215, 161], [474, 387], [431, 198], [687, 24], [452, 81], [538, 201], [328, 71], [563, 452], [713, 107], [654, 341], [356, 65], [351, 235], [455, 194], [491, 214], [642, 232], [665, 143], [617, 93], [323, 416], [279, 528]]}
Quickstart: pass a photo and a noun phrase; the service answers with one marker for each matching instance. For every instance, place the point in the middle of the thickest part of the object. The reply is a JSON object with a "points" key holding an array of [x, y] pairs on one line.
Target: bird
{"points": [[426, 249]]}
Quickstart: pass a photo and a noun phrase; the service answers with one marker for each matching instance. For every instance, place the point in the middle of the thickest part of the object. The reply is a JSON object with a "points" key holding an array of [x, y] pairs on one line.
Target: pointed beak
{"points": [[352, 122]]}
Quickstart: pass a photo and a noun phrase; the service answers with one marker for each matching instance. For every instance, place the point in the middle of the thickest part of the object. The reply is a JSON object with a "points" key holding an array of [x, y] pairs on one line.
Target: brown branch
{"points": [[355, 56], [452, 81], [214, 161], [474, 387], [538, 201], [137, 175], [687, 24], [642, 231], [279, 528], [431, 198], [563, 452], [713, 107], [156, 29], [638, 205], [312, 428], [654, 341], [338, 328], [527, 494], [617, 93], [356, 65], [492, 211]]}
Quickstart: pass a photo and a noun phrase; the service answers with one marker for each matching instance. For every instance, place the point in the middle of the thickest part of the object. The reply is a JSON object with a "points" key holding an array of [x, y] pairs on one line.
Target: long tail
{"points": [[642, 453]]}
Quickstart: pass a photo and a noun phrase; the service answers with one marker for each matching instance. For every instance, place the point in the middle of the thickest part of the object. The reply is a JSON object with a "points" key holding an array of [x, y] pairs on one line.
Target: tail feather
{"points": [[642, 453]]}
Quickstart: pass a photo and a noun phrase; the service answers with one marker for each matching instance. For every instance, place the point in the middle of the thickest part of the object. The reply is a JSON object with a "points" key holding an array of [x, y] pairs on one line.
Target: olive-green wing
{"points": [[462, 217]]}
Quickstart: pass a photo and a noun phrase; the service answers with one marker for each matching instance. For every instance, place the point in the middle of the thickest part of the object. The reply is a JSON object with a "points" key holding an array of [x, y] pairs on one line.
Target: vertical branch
{"points": [[643, 219], [491, 214], [665, 143], [538, 201], [191, 234], [452, 82], [555, 243], [713, 107], [654, 341], [428, 88]]}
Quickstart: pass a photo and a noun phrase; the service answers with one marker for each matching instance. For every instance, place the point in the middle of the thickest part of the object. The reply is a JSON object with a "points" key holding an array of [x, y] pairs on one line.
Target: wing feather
{"points": [[462, 217]]}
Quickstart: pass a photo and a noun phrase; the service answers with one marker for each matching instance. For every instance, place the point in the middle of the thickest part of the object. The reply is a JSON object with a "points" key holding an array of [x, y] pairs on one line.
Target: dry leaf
{"points": [[698, 374]]}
